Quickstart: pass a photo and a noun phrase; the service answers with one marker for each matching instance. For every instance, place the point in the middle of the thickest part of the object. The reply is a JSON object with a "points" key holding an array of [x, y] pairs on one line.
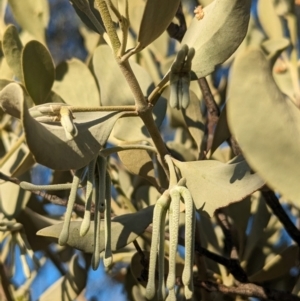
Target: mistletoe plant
{"points": [[159, 192]]}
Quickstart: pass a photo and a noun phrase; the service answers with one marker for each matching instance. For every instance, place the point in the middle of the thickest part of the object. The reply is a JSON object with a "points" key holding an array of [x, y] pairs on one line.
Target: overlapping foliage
{"points": [[185, 174]]}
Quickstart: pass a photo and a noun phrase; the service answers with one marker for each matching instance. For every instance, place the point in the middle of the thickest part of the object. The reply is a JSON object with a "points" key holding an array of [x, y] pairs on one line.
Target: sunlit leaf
{"points": [[84, 92], [58, 152], [38, 71], [32, 15], [124, 229], [12, 198], [265, 123], [68, 287], [10, 98], [214, 184], [157, 16], [218, 34], [12, 48], [126, 128], [269, 20]]}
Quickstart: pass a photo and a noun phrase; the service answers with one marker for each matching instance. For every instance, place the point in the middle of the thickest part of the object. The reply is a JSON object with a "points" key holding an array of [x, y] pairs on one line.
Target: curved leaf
{"points": [[32, 15], [214, 184], [218, 34], [10, 96], [48, 142], [157, 16], [84, 92], [125, 229], [265, 123], [38, 71], [12, 48]]}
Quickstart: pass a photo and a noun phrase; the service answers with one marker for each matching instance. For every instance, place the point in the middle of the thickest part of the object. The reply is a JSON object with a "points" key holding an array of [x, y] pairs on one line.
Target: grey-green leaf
{"points": [[125, 229], [12, 48], [75, 84], [214, 184], [218, 34], [157, 16], [129, 127], [139, 162], [265, 123], [38, 71], [57, 152], [32, 15]]}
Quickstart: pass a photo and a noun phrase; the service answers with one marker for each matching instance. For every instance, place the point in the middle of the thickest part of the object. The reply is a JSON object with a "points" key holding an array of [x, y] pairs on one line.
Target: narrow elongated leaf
{"points": [[269, 20], [278, 266], [84, 18], [125, 229], [265, 123], [68, 287], [157, 16], [75, 84], [32, 15], [38, 71], [12, 48], [214, 184], [218, 34]]}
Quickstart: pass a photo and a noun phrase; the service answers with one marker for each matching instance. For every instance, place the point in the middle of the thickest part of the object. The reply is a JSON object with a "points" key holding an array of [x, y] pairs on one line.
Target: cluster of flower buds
{"points": [[170, 202], [180, 77], [97, 189]]}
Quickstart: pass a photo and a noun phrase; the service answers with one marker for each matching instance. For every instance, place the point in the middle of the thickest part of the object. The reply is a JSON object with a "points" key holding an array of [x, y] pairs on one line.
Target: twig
{"points": [[273, 202], [248, 290], [213, 111]]}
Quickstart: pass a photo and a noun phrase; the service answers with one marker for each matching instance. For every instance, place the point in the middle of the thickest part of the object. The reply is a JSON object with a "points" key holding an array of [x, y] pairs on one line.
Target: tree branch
{"points": [[248, 290]]}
